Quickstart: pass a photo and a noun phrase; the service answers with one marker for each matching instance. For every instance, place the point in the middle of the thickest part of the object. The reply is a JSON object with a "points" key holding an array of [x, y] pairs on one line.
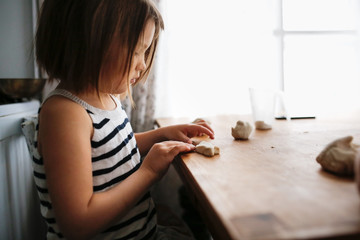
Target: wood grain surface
{"points": [[270, 186]]}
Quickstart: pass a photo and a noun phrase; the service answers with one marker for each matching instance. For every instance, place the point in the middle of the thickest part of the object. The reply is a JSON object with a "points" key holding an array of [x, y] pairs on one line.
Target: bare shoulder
{"points": [[58, 106], [63, 111], [63, 120]]}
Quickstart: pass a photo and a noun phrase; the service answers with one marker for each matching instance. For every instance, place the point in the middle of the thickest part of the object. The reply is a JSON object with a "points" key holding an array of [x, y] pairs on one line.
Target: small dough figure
{"points": [[338, 156], [207, 149], [242, 130], [261, 125]]}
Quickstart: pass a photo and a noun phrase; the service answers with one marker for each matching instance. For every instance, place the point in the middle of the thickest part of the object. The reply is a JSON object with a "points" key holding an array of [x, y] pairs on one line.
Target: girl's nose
{"points": [[141, 65]]}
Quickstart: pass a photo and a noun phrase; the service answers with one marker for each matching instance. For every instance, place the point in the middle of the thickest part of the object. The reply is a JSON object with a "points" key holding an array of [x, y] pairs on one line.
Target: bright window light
{"points": [[212, 52]]}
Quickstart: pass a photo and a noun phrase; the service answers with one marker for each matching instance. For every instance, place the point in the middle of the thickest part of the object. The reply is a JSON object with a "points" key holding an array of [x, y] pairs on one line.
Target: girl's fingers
{"points": [[206, 125], [208, 131], [178, 147], [184, 138]]}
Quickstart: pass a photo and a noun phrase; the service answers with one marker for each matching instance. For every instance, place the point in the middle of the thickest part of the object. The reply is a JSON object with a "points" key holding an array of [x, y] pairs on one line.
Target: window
{"points": [[214, 51], [320, 55]]}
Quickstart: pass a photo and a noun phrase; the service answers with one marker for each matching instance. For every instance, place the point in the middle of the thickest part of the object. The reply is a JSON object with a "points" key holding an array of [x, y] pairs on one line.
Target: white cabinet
{"points": [[19, 205]]}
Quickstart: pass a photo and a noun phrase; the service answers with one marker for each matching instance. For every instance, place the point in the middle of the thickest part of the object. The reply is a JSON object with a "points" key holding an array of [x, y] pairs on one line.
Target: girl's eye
{"points": [[147, 53]]}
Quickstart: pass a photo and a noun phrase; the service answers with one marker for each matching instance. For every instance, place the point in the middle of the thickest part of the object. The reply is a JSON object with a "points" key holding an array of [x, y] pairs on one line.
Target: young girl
{"points": [[87, 165]]}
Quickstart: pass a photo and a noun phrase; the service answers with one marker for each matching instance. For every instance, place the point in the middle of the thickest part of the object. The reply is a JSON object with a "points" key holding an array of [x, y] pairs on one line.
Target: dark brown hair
{"points": [[81, 42]]}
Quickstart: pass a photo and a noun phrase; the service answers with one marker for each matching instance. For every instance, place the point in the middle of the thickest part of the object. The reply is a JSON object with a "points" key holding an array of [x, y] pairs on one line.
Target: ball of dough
{"points": [[242, 130], [338, 156], [195, 142], [207, 149], [261, 125], [199, 120]]}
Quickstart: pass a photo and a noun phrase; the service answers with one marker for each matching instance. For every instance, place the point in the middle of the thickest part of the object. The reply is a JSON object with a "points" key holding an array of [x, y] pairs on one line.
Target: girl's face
{"points": [[138, 61]]}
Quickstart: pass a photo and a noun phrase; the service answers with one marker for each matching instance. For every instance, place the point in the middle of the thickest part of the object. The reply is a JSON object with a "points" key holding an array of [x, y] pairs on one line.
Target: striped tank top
{"points": [[115, 156]]}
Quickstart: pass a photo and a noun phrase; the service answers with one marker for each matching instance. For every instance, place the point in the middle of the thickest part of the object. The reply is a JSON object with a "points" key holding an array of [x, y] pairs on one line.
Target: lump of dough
{"points": [[198, 120], [207, 149], [338, 156], [261, 125], [195, 142], [242, 130]]}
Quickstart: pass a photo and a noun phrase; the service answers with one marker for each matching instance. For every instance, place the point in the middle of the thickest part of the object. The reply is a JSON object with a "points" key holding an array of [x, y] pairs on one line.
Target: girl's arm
{"points": [[64, 143], [182, 132]]}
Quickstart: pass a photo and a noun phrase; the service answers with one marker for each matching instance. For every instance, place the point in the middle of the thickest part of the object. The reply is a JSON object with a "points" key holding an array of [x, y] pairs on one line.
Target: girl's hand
{"points": [[161, 156], [184, 132]]}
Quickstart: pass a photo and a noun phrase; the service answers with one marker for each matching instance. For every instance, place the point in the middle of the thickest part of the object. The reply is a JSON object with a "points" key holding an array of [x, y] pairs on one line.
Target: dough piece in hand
{"points": [[338, 156], [207, 149], [261, 125], [195, 142], [242, 130]]}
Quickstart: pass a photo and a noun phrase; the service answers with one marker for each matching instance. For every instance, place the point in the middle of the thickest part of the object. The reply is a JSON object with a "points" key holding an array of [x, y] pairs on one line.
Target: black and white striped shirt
{"points": [[115, 156]]}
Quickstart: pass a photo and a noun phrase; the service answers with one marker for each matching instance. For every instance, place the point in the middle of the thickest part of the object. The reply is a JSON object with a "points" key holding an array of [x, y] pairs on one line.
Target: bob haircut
{"points": [[86, 43]]}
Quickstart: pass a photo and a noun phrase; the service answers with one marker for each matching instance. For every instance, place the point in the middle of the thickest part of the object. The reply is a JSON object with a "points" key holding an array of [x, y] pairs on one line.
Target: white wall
{"points": [[16, 59]]}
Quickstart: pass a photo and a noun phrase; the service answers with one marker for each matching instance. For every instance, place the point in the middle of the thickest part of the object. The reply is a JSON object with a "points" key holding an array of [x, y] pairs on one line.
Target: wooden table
{"points": [[270, 186]]}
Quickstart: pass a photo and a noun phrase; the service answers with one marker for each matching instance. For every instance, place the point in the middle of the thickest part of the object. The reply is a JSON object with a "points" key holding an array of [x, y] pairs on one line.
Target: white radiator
{"points": [[19, 205]]}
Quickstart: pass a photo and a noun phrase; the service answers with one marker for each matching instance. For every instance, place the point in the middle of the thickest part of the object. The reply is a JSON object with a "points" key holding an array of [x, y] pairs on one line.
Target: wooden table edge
{"points": [[201, 203]]}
